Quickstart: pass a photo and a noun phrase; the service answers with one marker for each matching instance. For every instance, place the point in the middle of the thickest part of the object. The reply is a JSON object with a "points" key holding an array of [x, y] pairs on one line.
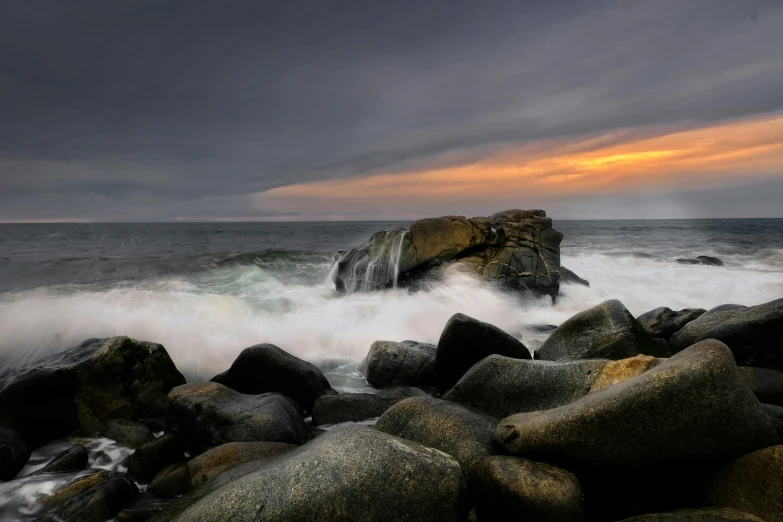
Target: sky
{"points": [[159, 110]]}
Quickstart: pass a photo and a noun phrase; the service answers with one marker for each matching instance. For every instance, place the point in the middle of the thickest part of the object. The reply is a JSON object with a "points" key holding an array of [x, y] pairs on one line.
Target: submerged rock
{"points": [[663, 322], [691, 408], [606, 331], [389, 363], [266, 368], [510, 488], [567, 276], [701, 260], [228, 456], [754, 334], [752, 483], [209, 414], [350, 473], [87, 386], [464, 342], [466, 435], [72, 459], [355, 407], [516, 249]]}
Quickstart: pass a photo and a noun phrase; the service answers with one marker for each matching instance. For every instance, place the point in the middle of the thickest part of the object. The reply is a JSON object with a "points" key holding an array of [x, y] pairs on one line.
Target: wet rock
{"points": [[209, 414], [754, 334], [71, 490], [567, 276], [100, 502], [392, 364], [765, 383], [701, 260], [752, 483], [228, 456], [697, 515], [72, 459], [87, 386], [170, 481], [510, 488], [145, 462], [266, 368], [355, 407], [464, 342], [692, 408], [502, 386], [606, 331], [14, 452], [663, 322], [128, 432], [350, 473], [516, 249], [143, 510], [466, 435]]}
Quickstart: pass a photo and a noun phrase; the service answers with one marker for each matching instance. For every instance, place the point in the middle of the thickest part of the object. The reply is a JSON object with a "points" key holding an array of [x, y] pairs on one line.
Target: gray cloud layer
{"points": [[155, 109]]}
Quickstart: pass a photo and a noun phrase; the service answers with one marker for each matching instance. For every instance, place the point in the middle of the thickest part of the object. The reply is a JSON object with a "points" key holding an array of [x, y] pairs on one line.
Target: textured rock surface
{"points": [[350, 473], [227, 456], [466, 435], [509, 488], [71, 490], [754, 334], [567, 276], [697, 515], [209, 414], [72, 459], [775, 414], [100, 502], [464, 341], [145, 462], [87, 386], [692, 408], [606, 331], [752, 483], [663, 322], [517, 249], [170, 481], [766, 383], [355, 407], [130, 433], [389, 363], [266, 368]]}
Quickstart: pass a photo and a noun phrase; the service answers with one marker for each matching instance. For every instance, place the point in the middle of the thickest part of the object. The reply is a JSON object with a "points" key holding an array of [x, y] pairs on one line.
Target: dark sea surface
{"points": [[207, 290]]}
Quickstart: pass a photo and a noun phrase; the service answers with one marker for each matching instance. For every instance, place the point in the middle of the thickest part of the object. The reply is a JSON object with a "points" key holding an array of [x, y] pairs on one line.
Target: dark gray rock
{"points": [[776, 416], [567, 276], [355, 407], [145, 462], [350, 473], [697, 515], [502, 386], [99, 503], [510, 488], [766, 383], [606, 331], [172, 480], [143, 510], [516, 249], [692, 408], [701, 260], [70, 490], [466, 435], [231, 455], [408, 363], [266, 368], [209, 414], [128, 432], [85, 387], [73, 459], [754, 334], [14, 452], [464, 342], [663, 322]]}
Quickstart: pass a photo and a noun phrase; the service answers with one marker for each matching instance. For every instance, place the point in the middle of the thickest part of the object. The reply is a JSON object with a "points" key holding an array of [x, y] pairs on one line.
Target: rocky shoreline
{"points": [[673, 415]]}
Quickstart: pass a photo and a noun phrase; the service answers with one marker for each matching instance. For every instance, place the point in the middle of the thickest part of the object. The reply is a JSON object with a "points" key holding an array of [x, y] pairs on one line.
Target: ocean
{"points": [[207, 290]]}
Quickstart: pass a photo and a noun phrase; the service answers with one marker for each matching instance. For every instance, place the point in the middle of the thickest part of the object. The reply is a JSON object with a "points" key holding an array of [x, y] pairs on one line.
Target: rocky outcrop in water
{"points": [[516, 249]]}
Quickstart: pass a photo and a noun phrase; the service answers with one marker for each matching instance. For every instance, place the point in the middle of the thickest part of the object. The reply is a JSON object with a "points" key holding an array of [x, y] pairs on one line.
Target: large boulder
{"points": [[693, 408], [502, 386], [266, 368], [355, 407], [350, 473], [754, 334], [510, 488], [145, 462], [228, 456], [766, 383], [516, 249], [466, 435], [100, 502], [87, 386], [127, 432], [408, 363], [605, 331], [209, 414], [465, 341], [663, 322], [752, 483]]}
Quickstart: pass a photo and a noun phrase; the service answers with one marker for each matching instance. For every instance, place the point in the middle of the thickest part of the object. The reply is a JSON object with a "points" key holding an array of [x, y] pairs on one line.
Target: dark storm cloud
{"points": [[159, 109]]}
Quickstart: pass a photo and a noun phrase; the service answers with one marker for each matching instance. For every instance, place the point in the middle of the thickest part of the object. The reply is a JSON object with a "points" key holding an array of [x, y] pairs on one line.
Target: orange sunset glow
{"points": [[720, 153]]}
